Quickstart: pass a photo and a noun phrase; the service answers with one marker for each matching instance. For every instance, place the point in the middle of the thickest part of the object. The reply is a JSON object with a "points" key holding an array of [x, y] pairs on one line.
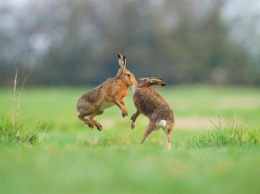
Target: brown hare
{"points": [[150, 103], [111, 92]]}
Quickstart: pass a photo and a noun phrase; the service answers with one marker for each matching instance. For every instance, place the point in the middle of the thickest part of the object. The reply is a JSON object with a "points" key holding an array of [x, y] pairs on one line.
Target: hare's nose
{"points": [[163, 84]]}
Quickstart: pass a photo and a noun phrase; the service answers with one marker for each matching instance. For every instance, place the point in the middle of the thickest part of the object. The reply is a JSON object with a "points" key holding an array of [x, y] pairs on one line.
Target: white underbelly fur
{"points": [[106, 105]]}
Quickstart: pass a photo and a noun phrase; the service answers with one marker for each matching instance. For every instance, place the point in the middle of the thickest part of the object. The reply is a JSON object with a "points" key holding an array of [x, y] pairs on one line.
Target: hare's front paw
{"points": [[124, 113]]}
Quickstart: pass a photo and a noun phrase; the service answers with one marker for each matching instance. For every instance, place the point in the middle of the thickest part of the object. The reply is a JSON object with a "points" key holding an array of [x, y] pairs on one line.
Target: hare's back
{"points": [[145, 102], [92, 96], [164, 112]]}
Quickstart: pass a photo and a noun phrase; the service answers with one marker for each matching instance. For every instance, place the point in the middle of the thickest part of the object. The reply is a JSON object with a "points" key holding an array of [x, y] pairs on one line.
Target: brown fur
{"points": [[111, 92], [150, 103]]}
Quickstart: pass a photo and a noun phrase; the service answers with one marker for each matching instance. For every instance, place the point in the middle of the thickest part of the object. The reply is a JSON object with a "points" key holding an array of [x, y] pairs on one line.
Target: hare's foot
{"points": [[168, 139], [169, 145], [133, 125], [97, 124], [89, 124]]}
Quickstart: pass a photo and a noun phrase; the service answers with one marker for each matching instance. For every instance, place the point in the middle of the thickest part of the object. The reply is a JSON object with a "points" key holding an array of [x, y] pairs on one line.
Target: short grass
{"points": [[50, 151]]}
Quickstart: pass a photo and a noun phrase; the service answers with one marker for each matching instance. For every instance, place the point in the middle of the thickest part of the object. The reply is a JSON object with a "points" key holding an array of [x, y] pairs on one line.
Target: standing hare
{"points": [[150, 103], [111, 92]]}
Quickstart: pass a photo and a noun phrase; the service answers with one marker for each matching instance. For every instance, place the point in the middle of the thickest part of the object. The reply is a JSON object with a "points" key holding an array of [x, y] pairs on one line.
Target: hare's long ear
{"points": [[121, 60], [124, 66], [157, 81], [124, 58]]}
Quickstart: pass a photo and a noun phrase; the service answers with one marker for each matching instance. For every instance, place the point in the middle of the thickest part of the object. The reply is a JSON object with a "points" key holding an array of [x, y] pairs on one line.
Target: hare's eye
{"points": [[128, 74]]}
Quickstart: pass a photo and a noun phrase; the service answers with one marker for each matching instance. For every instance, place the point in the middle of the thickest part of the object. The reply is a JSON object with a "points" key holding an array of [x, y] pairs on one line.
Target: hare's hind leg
{"points": [[96, 123], [86, 121], [168, 139], [148, 130]]}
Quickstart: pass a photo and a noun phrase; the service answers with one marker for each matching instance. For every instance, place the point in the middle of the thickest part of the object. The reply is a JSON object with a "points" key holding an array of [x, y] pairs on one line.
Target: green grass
{"points": [[14, 135], [68, 157], [230, 135]]}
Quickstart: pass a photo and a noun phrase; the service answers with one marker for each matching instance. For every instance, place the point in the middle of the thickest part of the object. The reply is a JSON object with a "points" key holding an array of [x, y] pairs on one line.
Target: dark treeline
{"points": [[75, 42]]}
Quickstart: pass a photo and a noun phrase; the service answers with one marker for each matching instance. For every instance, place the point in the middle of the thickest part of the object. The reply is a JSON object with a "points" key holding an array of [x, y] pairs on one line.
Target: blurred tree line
{"points": [[65, 42]]}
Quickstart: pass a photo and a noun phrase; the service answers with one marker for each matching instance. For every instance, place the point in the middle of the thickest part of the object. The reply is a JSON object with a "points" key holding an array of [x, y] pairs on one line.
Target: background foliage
{"points": [[75, 42]]}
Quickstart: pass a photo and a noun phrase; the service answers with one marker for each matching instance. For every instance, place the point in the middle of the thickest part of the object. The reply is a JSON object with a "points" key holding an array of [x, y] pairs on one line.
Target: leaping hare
{"points": [[111, 92], [150, 103]]}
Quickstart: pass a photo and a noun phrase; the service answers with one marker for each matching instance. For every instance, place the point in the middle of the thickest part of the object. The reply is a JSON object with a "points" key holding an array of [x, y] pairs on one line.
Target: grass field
{"points": [[68, 157]]}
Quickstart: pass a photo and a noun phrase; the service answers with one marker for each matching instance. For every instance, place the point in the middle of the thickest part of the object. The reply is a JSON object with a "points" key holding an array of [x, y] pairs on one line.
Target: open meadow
{"points": [[215, 144]]}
